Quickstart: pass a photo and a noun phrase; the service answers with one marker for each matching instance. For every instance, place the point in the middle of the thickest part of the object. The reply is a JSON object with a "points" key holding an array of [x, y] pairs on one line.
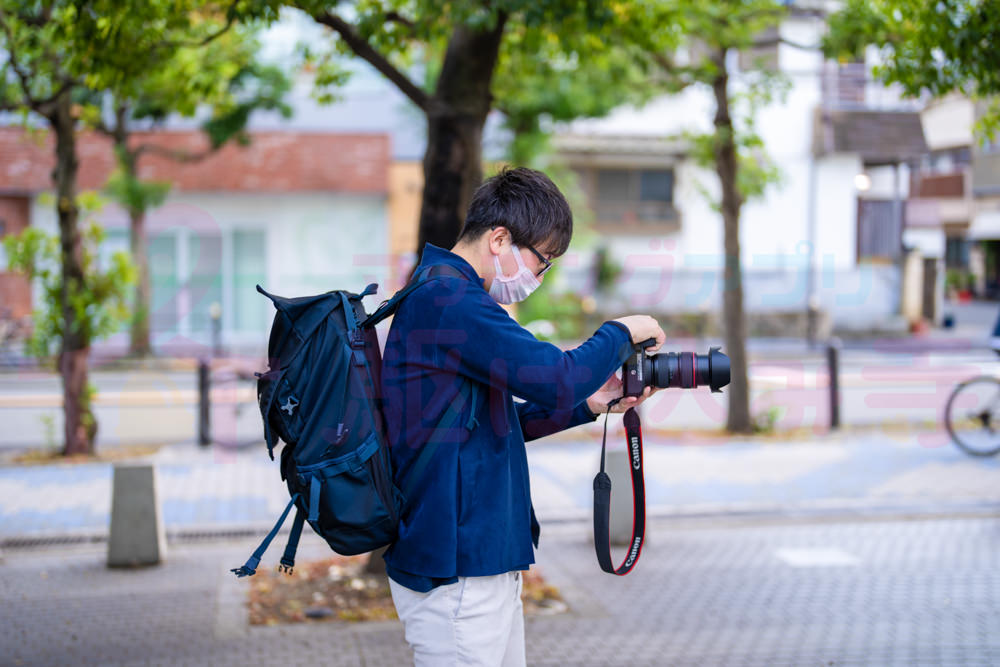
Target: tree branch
{"points": [[40, 106], [396, 17], [230, 22], [12, 61], [774, 41], [364, 50], [41, 19], [120, 132], [677, 76]]}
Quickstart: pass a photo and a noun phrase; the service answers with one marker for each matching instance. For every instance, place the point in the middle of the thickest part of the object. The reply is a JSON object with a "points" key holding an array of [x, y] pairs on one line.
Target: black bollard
{"points": [[215, 314], [204, 404], [833, 369]]}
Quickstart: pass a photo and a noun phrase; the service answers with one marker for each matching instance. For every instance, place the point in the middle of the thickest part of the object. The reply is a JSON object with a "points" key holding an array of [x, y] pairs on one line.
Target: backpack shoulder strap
{"points": [[420, 278]]}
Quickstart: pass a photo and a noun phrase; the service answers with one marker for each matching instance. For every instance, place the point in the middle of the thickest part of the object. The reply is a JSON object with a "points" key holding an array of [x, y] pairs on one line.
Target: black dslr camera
{"points": [[673, 369]]}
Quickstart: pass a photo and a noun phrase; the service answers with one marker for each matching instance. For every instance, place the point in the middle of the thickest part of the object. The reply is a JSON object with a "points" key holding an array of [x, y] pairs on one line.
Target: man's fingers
{"points": [[660, 337]]}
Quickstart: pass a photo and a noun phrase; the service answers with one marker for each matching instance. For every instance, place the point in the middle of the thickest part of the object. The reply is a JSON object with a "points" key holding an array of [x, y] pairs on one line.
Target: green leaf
{"points": [[942, 47]]}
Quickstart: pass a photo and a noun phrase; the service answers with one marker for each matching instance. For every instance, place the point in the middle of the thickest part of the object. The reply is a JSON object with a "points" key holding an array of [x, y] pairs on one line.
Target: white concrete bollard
{"points": [[136, 536]]}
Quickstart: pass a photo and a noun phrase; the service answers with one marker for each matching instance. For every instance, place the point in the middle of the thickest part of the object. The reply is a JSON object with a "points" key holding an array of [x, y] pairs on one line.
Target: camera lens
{"points": [[687, 370], [718, 369]]}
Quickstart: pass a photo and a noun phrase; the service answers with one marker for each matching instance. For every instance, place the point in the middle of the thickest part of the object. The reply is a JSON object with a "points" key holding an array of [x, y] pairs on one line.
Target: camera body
{"points": [[685, 370]]}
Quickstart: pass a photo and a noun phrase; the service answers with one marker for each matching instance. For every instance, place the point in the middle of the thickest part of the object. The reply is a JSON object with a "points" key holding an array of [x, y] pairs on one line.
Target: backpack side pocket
{"points": [[348, 506]]}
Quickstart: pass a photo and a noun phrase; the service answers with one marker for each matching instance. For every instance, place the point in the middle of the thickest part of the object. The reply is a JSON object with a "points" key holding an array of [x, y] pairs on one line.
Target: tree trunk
{"points": [[80, 426], [726, 164], [455, 118], [139, 344], [139, 336]]}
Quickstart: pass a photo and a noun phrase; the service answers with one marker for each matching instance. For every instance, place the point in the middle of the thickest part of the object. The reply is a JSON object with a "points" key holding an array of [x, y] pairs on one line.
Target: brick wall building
{"points": [[295, 211]]}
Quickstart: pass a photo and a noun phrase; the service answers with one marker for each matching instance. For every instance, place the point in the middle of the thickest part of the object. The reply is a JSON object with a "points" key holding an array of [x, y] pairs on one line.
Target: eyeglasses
{"points": [[546, 264]]}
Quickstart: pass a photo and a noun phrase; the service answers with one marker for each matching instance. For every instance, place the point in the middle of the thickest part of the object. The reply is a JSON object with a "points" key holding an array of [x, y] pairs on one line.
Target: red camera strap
{"points": [[602, 498]]}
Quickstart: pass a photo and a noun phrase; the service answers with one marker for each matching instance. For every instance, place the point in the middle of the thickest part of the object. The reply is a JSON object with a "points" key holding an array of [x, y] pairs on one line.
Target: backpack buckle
{"points": [[357, 342], [357, 339]]}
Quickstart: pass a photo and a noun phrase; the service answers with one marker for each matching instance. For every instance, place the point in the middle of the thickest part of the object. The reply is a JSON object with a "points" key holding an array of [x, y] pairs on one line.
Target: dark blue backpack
{"points": [[321, 395]]}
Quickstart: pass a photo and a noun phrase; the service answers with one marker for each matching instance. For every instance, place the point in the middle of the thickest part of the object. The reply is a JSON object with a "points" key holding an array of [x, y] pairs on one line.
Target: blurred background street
{"points": [[811, 186], [900, 382], [875, 544]]}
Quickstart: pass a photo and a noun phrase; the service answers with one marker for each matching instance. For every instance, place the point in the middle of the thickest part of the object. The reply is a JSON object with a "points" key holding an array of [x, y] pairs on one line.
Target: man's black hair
{"points": [[528, 204]]}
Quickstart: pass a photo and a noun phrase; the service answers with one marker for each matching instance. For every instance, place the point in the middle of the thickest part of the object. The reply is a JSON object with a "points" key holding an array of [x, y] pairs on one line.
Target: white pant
{"points": [[476, 621]]}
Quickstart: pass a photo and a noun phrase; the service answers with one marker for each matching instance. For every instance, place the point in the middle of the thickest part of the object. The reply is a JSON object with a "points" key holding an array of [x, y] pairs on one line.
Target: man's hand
{"points": [[643, 327], [612, 389]]}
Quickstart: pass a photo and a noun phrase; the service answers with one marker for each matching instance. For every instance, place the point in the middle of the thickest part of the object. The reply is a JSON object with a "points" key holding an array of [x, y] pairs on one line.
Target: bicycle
{"points": [[972, 415]]}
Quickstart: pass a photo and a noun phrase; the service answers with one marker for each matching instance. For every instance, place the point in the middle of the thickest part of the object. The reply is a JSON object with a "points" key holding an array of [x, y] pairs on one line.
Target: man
{"points": [[454, 361]]}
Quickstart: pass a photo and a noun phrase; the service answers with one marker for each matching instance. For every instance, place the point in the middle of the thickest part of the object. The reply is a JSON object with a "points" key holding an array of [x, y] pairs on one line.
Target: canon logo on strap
{"points": [[634, 553], [636, 457]]}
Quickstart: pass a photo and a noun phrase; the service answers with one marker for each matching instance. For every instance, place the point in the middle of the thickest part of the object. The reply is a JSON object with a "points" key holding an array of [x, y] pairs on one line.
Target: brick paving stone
{"points": [[704, 593]]}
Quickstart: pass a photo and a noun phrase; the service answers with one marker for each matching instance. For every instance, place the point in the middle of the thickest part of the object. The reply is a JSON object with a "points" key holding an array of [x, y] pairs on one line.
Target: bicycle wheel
{"points": [[972, 416]]}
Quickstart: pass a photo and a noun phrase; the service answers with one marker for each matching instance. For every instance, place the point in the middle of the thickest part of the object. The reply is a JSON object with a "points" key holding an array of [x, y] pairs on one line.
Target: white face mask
{"points": [[510, 289]]}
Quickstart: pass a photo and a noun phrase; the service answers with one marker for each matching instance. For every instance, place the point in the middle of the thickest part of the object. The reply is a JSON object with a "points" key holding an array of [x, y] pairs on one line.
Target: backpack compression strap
{"points": [[250, 568], [602, 498]]}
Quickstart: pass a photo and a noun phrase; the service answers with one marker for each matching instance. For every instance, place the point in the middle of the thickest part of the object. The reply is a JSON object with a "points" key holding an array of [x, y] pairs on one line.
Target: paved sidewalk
{"points": [[879, 593], [216, 490], [761, 554]]}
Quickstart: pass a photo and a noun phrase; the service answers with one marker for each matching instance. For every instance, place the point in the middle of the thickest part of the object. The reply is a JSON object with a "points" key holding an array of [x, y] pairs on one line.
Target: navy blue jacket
{"points": [[468, 510]]}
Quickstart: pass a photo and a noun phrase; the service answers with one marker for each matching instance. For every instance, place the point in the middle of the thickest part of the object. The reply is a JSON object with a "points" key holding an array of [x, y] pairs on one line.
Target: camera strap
{"points": [[602, 498]]}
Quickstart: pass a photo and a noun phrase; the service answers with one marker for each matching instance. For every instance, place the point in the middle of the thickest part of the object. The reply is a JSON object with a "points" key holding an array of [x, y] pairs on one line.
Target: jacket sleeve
{"points": [[538, 422], [477, 338]]}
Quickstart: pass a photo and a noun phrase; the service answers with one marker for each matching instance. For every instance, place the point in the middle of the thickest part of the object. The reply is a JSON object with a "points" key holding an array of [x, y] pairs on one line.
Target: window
{"points": [[844, 85], [636, 198], [205, 281], [250, 310], [189, 271], [164, 281], [956, 253], [880, 230]]}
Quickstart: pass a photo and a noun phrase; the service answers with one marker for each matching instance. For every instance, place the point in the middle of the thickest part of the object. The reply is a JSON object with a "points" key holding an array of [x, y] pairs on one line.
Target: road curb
{"points": [[840, 511]]}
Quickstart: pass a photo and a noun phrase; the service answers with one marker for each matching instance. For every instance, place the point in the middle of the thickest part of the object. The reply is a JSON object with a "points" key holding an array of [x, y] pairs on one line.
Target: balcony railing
{"points": [[939, 199], [631, 213], [950, 185], [851, 87]]}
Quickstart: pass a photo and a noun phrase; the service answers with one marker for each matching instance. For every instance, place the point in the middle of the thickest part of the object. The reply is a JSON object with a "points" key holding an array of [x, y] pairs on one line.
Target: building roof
{"points": [[367, 104], [273, 162], [619, 150], [879, 137]]}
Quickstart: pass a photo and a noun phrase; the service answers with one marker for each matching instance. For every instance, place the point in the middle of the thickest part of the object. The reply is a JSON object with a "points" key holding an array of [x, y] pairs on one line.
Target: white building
{"points": [[830, 232]]}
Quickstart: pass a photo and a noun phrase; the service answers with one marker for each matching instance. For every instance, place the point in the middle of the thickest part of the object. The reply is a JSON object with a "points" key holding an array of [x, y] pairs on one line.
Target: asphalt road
{"points": [[877, 387]]}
